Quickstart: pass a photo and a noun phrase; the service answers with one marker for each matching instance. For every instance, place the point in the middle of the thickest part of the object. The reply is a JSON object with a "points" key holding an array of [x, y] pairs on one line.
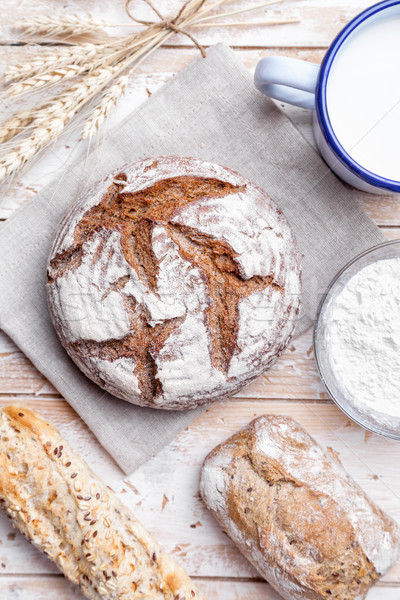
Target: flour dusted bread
{"points": [[68, 513], [173, 282], [296, 514]]}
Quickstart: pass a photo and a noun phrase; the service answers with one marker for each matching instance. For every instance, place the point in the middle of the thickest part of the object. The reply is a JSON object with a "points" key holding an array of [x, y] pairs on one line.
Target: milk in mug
{"points": [[363, 96]]}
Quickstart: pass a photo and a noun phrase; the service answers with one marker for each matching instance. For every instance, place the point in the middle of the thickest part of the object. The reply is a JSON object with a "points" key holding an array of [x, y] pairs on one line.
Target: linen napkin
{"points": [[210, 110]]}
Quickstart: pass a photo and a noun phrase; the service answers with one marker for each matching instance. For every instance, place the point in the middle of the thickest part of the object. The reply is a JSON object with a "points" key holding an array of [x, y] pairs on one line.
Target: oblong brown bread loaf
{"points": [[295, 513], [70, 515], [174, 282]]}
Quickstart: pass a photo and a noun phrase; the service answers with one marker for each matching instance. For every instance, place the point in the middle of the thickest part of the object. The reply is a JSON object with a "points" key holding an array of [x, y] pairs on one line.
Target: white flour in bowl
{"points": [[363, 337]]}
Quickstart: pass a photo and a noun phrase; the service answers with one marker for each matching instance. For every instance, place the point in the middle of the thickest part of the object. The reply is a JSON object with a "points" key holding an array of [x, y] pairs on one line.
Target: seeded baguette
{"points": [[54, 499], [295, 513]]}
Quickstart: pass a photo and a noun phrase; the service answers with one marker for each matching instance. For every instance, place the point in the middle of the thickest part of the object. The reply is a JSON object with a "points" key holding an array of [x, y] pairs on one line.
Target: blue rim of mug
{"points": [[321, 104]]}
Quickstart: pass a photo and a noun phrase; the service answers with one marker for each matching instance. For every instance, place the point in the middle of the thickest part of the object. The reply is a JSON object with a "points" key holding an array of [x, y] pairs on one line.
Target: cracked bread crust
{"points": [[54, 499], [174, 282], [295, 513]]}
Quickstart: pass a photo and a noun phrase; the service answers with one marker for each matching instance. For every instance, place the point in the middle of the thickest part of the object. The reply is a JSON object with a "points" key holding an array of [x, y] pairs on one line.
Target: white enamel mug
{"points": [[305, 85]]}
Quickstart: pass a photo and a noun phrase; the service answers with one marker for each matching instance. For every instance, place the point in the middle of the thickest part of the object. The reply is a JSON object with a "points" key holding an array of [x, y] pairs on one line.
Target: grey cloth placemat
{"points": [[210, 110]]}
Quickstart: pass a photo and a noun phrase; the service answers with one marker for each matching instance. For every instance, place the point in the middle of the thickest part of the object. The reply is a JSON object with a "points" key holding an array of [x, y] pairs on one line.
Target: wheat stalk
{"points": [[49, 120], [62, 104], [75, 97], [246, 24], [104, 107], [26, 149], [59, 58], [94, 66], [236, 12], [61, 24]]}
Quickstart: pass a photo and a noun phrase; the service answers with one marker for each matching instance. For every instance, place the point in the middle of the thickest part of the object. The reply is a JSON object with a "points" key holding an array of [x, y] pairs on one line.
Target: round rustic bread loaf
{"points": [[174, 282]]}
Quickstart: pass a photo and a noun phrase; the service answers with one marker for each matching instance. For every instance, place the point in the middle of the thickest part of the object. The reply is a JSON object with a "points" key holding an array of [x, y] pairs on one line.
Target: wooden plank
{"points": [[163, 493], [293, 376], [58, 588], [384, 210], [392, 233], [17, 374], [150, 76], [319, 21]]}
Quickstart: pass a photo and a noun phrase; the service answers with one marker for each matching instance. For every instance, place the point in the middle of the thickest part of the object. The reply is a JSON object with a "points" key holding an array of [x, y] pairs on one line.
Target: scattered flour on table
{"points": [[363, 336]]}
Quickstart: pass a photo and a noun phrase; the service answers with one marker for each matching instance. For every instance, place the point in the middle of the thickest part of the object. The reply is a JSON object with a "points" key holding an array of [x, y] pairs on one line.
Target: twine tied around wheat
{"points": [[169, 24]]}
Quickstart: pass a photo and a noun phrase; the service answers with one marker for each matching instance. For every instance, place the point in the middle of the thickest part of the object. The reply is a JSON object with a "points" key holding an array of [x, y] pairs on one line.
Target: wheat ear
{"points": [[59, 58], [55, 76], [104, 107], [50, 119], [27, 148], [14, 125], [61, 24]]}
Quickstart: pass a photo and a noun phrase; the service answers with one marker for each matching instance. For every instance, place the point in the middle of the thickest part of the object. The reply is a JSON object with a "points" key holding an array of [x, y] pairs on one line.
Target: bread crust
{"points": [[295, 513], [69, 514], [174, 282]]}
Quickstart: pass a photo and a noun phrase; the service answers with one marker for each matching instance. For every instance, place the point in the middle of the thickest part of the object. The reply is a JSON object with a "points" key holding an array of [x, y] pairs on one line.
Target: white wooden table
{"points": [[164, 492]]}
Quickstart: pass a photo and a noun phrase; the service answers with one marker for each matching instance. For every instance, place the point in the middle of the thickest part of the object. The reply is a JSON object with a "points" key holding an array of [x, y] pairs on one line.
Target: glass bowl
{"points": [[369, 418]]}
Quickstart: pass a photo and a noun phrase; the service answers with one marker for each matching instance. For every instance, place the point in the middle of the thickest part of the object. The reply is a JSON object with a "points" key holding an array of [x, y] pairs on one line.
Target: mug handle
{"points": [[287, 80]]}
